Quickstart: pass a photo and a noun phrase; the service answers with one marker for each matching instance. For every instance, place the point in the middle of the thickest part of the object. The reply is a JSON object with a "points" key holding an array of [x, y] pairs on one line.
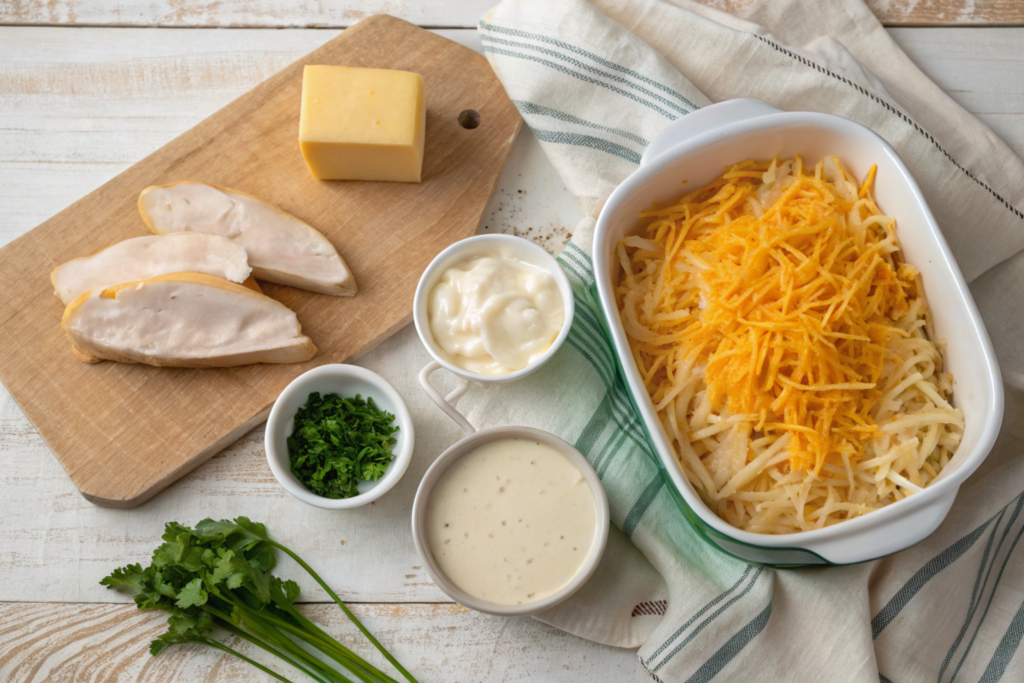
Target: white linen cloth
{"points": [[596, 81]]}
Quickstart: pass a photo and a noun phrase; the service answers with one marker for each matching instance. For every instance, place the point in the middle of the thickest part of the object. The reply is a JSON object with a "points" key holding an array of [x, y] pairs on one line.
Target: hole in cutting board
{"points": [[469, 118]]}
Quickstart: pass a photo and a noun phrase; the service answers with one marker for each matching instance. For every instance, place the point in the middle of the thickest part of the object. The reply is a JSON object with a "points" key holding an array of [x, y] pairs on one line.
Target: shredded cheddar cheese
{"points": [[784, 345]]}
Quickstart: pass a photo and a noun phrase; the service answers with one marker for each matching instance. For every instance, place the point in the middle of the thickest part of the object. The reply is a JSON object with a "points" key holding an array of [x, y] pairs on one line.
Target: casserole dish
{"points": [[696, 149]]}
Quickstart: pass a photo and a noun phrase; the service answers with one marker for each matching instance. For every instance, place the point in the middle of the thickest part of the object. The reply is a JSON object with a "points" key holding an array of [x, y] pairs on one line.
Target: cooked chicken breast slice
{"points": [[141, 258], [281, 248], [184, 320]]}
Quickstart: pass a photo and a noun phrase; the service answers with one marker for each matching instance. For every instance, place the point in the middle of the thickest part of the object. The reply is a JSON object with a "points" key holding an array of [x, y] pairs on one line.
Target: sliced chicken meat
{"points": [[281, 247], [184, 320], [141, 258]]}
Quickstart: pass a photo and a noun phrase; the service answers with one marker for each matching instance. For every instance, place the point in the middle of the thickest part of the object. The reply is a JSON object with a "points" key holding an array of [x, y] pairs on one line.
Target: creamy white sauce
{"points": [[494, 315], [511, 522]]}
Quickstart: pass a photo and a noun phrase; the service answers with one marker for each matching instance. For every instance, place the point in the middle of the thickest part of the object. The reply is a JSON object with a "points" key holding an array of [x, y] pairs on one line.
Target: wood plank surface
{"points": [[428, 13], [122, 431], [436, 642]]}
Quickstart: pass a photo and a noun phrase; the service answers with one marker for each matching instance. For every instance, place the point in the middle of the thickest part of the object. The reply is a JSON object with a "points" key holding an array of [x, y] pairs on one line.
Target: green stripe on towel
{"points": [[721, 596], [923, 575], [988, 561], [732, 647], [714, 615], [587, 79], [641, 505], [585, 67], [590, 55], [537, 110], [595, 427], [579, 140], [999, 577], [1005, 650]]}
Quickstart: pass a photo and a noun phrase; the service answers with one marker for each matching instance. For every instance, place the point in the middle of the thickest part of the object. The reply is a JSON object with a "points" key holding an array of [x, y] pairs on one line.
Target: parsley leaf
{"points": [[192, 594], [338, 442]]}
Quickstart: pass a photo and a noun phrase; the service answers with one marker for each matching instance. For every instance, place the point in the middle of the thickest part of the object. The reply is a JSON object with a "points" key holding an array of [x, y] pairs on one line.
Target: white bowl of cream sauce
{"points": [[493, 308], [510, 521]]}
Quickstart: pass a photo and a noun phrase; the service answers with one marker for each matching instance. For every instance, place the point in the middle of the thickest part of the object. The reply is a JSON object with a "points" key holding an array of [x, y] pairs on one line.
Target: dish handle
{"points": [[447, 403], [718, 117]]}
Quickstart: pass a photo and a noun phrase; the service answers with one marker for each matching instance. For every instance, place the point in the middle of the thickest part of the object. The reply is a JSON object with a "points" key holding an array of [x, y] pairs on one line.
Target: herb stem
{"points": [[223, 623], [365, 671], [281, 640], [256, 623], [259, 624], [369, 636], [220, 646]]}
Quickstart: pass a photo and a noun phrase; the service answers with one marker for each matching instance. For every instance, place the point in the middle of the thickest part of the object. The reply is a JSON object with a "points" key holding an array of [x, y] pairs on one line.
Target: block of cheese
{"points": [[362, 124]]}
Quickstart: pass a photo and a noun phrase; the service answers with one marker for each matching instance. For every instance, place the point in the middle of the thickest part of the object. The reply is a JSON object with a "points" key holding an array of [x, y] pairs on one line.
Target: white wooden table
{"points": [[86, 89]]}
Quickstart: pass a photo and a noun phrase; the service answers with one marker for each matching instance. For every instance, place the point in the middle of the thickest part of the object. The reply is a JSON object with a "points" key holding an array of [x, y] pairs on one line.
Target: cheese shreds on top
{"points": [[784, 344]]}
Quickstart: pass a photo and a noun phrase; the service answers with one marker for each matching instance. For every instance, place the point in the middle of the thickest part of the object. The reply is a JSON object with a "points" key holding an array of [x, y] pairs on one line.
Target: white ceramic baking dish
{"points": [[696, 149]]}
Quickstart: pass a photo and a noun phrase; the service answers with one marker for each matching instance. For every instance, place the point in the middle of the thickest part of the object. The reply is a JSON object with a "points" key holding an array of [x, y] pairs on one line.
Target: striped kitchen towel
{"points": [[595, 81]]}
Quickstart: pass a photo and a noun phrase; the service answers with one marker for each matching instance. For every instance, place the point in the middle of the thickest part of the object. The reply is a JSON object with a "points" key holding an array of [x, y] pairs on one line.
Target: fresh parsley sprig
{"points": [[338, 442], [217, 575]]}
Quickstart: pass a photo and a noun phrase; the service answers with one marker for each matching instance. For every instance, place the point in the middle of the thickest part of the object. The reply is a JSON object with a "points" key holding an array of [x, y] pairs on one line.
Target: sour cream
{"points": [[511, 522], [494, 315]]}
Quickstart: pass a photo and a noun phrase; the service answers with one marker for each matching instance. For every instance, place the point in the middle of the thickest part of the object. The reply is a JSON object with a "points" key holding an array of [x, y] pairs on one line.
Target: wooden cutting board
{"points": [[124, 432]]}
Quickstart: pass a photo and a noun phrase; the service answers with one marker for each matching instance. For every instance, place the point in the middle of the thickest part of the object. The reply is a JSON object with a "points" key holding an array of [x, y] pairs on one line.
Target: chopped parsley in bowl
{"points": [[338, 442], [339, 436]]}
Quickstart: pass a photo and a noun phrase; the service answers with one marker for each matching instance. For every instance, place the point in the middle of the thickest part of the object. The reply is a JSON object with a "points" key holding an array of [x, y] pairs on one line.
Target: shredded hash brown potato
{"points": [[786, 347]]}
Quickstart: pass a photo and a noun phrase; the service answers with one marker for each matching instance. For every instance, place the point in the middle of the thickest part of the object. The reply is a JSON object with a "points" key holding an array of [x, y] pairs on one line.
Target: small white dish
{"points": [[346, 381], [508, 246], [473, 440]]}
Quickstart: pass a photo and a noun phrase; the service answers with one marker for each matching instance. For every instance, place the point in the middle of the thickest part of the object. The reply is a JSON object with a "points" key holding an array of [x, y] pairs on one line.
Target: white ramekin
{"points": [[508, 246], [696, 149], [469, 443], [347, 381]]}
